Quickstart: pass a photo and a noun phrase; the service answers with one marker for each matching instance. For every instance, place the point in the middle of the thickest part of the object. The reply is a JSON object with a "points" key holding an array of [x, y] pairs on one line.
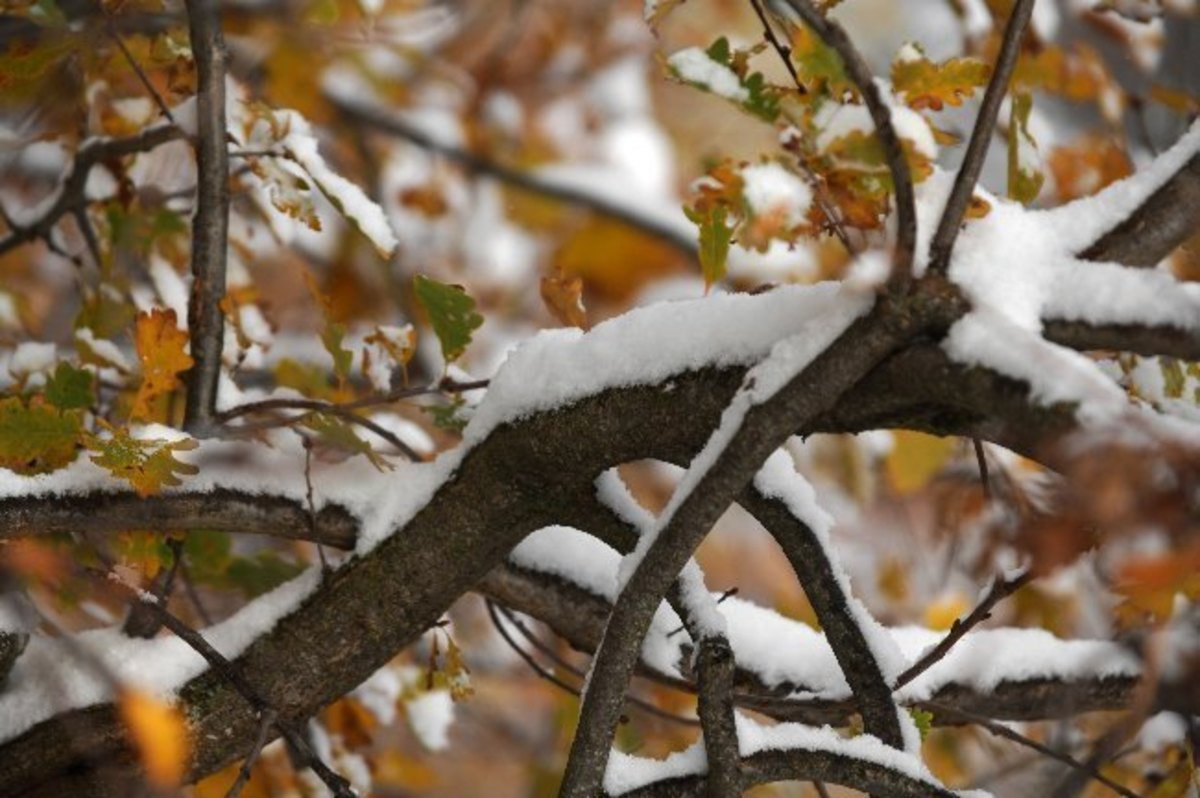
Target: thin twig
{"points": [[113, 34], [264, 731], [443, 386], [984, 478], [312, 507], [942, 244], [525, 181], [784, 51], [1000, 730], [1001, 589], [821, 789], [71, 193], [494, 612], [210, 226], [906, 216]]}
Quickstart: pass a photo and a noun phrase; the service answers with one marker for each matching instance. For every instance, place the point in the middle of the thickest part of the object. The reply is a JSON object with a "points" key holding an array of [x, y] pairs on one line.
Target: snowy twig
{"points": [[390, 124], [1002, 588], [72, 193], [858, 71], [210, 226], [942, 244]]}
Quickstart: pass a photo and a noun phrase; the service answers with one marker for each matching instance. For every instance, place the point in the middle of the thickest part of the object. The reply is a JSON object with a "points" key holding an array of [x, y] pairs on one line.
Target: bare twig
{"points": [[906, 215], [210, 226], [1000, 730], [1002, 587], [942, 244], [443, 386], [981, 459], [495, 611], [534, 184], [115, 35], [784, 51], [243, 776]]}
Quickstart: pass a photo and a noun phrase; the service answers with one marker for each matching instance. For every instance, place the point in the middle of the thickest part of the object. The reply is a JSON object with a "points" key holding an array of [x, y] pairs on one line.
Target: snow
{"points": [[626, 772], [1161, 731], [430, 716], [572, 555], [49, 678], [648, 345], [837, 121], [695, 66], [771, 189], [31, 357]]}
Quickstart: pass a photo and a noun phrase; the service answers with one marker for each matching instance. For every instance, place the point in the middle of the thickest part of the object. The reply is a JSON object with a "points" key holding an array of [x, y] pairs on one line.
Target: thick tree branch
{"points": [[1140, 339], [1169, 217], [714, 669], [210, 227]]}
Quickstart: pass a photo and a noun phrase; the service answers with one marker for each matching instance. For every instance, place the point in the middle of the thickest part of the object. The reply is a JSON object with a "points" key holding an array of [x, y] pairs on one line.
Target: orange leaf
{"points": [[159, 734], [160, 347]]}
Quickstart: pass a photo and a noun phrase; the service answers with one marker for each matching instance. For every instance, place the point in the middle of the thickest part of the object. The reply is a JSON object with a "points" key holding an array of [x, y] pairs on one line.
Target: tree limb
{"points": [[210, 226]]}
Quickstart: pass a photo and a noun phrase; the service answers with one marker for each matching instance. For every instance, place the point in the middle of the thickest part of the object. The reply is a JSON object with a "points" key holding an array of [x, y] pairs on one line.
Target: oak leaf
{"points": [[160, 348]]}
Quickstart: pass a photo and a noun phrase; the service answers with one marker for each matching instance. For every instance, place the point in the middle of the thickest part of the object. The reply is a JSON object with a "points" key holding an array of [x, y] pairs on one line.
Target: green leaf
{"points": [[148, 465], [260, 573], [719, 51], [715, 238], [923, 721], [448, 416], [36, 437], [451, 313], [1024, 175], [69, 387], [343, 358]]}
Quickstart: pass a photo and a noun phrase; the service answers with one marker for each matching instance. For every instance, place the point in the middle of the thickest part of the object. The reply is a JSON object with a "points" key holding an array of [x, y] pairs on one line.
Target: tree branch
{"points": [[942, 244], [392, 125], [881, 114], [210, 227], [714, 667], [71, 194]]}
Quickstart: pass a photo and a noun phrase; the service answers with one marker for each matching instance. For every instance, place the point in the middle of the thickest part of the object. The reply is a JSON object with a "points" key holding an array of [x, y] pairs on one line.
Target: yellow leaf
{"points": [[159, 734], [160, 347], [916, 458], [945, 610]]}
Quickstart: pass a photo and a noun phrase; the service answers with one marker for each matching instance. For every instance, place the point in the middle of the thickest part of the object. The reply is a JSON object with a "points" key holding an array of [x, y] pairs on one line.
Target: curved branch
{"points": [[765, 767]]}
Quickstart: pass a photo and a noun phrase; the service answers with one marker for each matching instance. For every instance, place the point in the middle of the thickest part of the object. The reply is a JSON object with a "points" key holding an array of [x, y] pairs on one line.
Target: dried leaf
{"points": [[1024, 164], [563, 296], [916, 458]]}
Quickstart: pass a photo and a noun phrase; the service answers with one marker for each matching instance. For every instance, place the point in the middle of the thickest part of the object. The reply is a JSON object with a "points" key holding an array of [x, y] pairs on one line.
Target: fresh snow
{"points": [[695, 66], [50, 678]]}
